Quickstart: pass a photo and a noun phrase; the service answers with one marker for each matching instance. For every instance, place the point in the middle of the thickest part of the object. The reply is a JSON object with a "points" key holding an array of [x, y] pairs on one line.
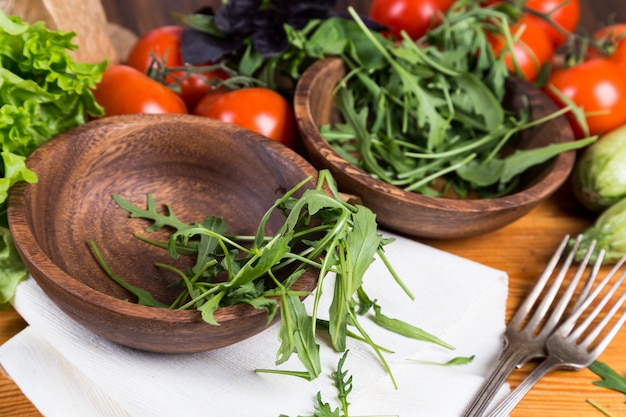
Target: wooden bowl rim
{"points": [[36, 259], [560, 167]]}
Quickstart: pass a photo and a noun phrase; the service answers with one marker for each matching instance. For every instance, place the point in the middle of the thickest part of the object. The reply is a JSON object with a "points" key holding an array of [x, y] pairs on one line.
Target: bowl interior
{"points": [[327, 73], [196, 166]]}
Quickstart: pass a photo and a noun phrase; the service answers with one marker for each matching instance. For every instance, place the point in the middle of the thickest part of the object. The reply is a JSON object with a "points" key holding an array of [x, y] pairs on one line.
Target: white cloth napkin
{"points": [[66, 370]]}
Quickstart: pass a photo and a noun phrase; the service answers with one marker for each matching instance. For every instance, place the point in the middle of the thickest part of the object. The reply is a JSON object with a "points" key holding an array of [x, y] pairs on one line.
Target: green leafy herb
{"points": [[610, 378], [144, 298], [343, 383], [459, 360], [320, 231], [406, 329]]}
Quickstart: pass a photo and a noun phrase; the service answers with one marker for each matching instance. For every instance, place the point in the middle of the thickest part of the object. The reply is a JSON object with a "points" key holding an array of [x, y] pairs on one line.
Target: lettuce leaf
{"points": [[43, 92], [12, 270]]}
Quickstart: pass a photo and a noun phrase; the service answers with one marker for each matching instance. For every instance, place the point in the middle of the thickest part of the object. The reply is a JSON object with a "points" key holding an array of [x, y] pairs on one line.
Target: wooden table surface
{"points": [[521, 249]]}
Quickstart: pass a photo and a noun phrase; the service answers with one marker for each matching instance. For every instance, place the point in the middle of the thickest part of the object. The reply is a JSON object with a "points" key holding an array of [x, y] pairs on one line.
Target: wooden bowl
{"points": [[414, 214], [197, 166]]}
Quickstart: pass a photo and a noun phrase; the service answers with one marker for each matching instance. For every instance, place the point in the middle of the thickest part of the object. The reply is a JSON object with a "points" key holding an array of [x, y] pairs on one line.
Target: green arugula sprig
{"points": [[343, 382], [320, 230], [610, 380]]}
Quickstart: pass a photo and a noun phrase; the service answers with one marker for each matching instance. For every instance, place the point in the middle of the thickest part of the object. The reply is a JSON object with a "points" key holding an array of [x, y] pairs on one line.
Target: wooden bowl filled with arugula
{"points": [[438, 143], [159, 231]]}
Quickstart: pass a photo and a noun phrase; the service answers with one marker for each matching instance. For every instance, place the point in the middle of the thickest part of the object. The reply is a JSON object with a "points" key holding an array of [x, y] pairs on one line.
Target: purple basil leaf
{"points": [[236, 17], [198, 48], [270, 41]]}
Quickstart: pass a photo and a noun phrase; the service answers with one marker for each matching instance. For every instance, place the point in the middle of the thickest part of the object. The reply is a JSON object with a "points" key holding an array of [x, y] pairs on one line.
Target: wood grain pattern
{"points": [[422, 216], [197, 166], [521, 249]]}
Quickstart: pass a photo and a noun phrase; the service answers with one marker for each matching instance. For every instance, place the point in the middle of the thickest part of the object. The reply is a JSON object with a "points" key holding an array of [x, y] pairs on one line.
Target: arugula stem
{"points": [[519, 128], [396, 277], [324, 325], [600, 408], [456, 151], [428, 179], [374, 346], [435, 132], [143, 297]]}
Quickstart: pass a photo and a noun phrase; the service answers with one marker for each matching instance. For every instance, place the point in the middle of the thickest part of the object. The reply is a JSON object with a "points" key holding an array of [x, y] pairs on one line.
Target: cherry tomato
{"points": [[599, 88], [125, 90], [259, 109], [163, 44], [565, 14], [532, 50], [613, 38], [413, 16]]}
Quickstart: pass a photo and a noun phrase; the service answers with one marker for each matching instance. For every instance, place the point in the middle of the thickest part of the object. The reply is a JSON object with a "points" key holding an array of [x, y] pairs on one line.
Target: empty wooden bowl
{"points": [[197, 166], [414, 214]]}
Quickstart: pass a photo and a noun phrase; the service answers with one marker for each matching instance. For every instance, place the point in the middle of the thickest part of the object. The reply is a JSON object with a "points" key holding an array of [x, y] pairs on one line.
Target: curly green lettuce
{"points": [[43, 92]]}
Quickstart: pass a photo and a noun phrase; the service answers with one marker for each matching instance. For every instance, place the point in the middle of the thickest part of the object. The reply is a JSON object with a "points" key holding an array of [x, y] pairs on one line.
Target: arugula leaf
{"points": [[406, 329], [459, 360], [143, 297], [151, 213], [610, 378], [343, 383], [521, 160]]}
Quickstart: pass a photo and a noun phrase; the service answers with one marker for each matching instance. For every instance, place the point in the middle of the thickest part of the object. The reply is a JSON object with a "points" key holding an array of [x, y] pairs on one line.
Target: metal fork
{"points": [[525, 336], [576, 345]]}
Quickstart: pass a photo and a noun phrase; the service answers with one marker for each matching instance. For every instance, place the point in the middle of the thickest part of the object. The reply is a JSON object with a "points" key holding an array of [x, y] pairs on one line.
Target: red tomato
{"points": [[125, 90], [163, 44], [599, 88], [532, 50], [259, 109], [562, 13], [413, 16], [613, 37]]}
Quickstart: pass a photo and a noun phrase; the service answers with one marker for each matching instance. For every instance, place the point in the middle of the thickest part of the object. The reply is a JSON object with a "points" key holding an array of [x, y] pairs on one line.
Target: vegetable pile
{"points": [[43, 91]]}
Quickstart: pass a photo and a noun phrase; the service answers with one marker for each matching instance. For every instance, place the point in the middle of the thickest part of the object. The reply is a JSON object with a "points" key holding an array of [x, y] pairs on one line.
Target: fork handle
{"points": [[508, 404], [509, 360]]}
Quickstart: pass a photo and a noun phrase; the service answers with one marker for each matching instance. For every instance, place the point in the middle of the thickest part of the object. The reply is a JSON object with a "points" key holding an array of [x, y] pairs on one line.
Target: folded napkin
{"points": [[66, 370]]}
